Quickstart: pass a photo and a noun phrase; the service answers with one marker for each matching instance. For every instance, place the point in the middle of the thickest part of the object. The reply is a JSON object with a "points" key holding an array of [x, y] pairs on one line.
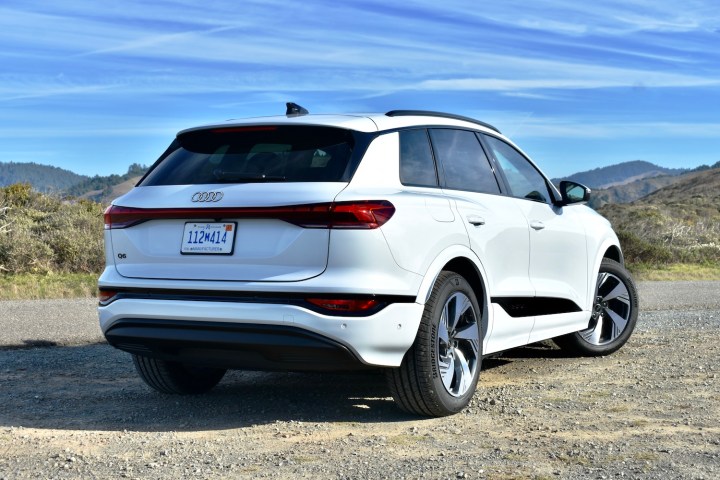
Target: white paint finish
{"points": [[557, 251], [549, 326], [380, 165], [358, 122], [234, 195], [506, 332], [381, 339], [265, 249], [501, 241]]}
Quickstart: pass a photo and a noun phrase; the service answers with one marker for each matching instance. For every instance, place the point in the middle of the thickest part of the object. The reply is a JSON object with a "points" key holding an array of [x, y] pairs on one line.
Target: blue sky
{"points": [[93, 86]]}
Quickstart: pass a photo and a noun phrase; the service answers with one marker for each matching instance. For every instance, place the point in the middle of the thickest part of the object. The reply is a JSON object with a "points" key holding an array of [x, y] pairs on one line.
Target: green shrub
{"points": [[45, 234], [640, 250]]}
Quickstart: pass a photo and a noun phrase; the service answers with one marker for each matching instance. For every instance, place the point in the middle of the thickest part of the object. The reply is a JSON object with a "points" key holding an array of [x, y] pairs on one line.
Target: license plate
{"points": [[215, 238]]}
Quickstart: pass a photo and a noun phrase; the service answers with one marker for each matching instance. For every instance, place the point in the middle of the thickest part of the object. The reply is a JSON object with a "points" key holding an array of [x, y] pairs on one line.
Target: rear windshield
{"points": [[263, 153]]}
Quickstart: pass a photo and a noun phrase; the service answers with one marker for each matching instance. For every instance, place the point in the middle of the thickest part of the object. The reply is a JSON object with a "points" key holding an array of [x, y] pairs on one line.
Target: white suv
{"points": [[414, 241]]}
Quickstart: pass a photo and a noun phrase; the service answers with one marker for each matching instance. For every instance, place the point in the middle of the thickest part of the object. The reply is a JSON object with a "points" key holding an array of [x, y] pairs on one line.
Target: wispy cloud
{"points": [[549, 127], [557, 68]]}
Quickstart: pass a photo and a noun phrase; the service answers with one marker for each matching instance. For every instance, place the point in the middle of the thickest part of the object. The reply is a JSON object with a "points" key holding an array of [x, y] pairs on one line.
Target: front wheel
{"points": [[439, 373], [614, 314]]}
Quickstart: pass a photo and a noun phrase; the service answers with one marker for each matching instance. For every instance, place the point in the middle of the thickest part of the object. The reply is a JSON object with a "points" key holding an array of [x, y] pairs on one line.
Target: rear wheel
{"points": [[174, 377], [614, 314], [439, 373]]}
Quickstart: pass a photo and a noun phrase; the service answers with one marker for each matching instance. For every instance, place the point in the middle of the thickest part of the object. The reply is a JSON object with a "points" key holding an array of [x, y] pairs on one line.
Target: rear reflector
{"points": [[366, 214], [344, 305]]}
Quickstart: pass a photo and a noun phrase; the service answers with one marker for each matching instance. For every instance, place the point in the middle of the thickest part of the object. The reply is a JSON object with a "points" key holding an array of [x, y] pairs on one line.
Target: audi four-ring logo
{"points": [[207, 196]]}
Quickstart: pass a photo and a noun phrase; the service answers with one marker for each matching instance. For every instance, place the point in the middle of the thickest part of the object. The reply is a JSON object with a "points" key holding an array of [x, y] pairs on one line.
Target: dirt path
{"points": [[652, 410]]}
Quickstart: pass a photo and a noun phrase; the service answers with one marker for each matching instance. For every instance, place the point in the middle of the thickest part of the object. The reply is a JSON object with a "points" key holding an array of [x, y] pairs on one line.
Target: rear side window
{"points": [[417, 166], [464, 163], [264, 153]]}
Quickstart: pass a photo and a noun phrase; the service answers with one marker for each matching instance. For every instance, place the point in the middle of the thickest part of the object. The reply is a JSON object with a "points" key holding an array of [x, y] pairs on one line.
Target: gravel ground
{"points": [[652, 410]]}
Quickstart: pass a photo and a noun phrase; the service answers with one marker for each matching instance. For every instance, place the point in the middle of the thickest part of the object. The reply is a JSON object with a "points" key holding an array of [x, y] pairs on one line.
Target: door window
{"points": [[522, 177], [465, 165]]}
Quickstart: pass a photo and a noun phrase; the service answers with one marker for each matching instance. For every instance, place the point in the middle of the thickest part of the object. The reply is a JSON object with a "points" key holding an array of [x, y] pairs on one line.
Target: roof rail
{"points": [[406, 113]]}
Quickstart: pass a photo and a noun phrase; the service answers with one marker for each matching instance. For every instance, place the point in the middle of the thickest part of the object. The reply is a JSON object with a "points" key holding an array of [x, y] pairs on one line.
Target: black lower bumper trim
{"points": [[232, 346]]}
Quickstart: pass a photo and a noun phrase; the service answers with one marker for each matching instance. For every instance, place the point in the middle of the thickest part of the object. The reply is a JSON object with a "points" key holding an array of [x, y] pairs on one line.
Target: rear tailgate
{"points": [[260, 245]]}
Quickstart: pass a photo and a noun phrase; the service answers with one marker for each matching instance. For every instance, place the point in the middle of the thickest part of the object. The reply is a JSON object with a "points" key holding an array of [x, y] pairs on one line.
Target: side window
{"points": [[416, 161], [522, 177], [464, 163]]}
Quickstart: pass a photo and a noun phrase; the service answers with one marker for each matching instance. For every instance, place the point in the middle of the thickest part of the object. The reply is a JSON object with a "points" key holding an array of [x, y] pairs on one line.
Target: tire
{"points": [[176, 378], [614, 316], [439, 373]]}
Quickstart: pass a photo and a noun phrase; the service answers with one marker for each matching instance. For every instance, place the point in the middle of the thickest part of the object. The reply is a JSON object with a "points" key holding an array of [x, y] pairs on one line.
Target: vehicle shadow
{"points": [[95, 387]]}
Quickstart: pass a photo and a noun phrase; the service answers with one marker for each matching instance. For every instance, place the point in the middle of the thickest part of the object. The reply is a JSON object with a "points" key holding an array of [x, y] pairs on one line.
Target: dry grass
{"points": [[30, 286], [675, 272]]}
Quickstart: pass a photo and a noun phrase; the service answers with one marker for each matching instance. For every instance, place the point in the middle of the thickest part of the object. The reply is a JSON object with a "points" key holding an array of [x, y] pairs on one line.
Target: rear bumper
{"points": [[258, 335], [230, 345]]}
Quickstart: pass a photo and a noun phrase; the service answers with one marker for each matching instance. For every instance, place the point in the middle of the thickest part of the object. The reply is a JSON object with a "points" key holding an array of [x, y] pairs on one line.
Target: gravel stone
{"points": [[74, 408]]}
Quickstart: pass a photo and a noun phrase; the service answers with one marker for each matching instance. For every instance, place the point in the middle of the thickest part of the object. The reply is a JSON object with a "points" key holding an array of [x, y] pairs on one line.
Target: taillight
{"points": [[365, 214], [369, 214], [121, 217], [106, 296], [344, 305]]}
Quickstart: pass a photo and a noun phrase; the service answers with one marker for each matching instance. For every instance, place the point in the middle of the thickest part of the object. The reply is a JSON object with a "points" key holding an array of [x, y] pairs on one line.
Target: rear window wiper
{"points": [[242, 177]]}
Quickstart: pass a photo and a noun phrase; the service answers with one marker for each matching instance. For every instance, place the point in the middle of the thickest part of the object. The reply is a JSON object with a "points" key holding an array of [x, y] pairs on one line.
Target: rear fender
{"points": [[438, 265]]}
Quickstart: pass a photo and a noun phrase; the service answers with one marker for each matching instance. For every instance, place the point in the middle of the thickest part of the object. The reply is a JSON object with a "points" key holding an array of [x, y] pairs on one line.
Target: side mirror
{"points": [[573, 192]]}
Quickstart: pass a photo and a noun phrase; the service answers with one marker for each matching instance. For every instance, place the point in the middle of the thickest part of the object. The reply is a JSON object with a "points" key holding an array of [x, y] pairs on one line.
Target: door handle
{"points": [[475, 220], [536, 225]]}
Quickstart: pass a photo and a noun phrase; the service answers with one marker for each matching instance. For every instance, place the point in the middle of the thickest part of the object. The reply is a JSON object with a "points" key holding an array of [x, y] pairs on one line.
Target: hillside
{"points": [[632, 191], [620, 174], [677, 223], [103, 189], [43, 178]]}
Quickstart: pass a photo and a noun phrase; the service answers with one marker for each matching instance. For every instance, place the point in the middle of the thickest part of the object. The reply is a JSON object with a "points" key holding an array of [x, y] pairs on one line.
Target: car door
{"points": [[558, 246], [496, 227]]}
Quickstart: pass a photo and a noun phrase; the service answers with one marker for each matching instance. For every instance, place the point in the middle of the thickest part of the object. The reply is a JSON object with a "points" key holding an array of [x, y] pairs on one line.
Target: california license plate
{"points": [[216, 238]]}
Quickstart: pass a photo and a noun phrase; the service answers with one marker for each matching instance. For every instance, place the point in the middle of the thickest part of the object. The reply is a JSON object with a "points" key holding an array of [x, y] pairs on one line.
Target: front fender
{"points": [[610, 241]]}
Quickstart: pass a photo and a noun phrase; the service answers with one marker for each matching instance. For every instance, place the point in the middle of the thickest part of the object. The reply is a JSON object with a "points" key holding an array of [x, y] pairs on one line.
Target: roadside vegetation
{"points": [[52, 247], [49, 247], [673, 233]]}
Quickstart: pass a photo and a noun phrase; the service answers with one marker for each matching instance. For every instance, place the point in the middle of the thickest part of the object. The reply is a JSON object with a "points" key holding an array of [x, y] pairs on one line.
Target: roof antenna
{"points": [[295, 110]]}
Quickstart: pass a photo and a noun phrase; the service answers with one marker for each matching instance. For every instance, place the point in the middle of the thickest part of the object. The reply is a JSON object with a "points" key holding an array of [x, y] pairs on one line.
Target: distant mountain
{"points": [[700, 188], [630, 192], [104, 189], [620, 174], [43, 178], [694, 197]]}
